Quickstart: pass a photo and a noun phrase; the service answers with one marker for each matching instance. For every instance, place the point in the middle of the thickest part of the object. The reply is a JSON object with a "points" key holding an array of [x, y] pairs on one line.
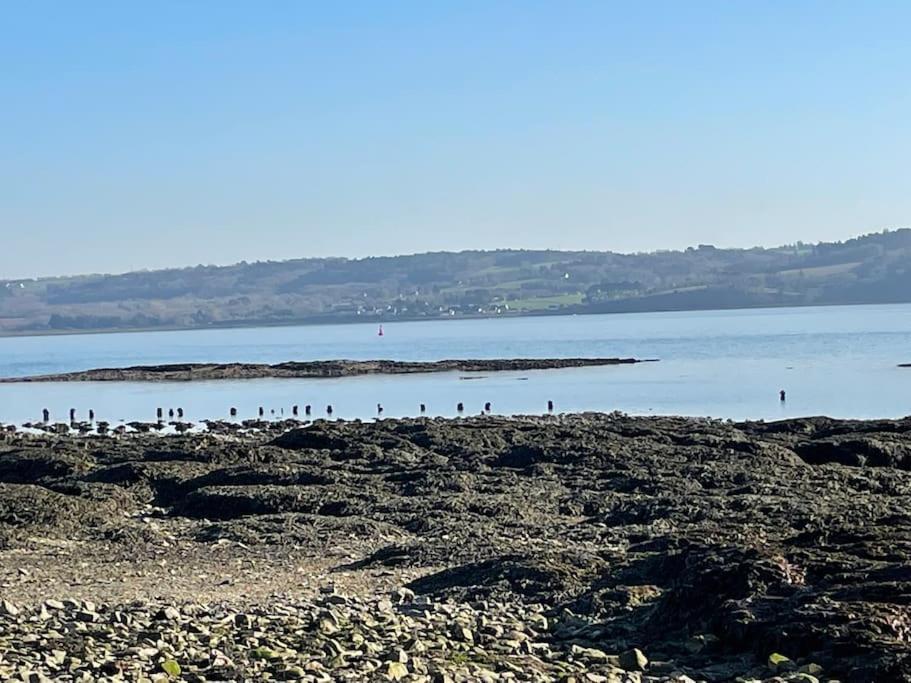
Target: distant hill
{"points": [[873, 268]]}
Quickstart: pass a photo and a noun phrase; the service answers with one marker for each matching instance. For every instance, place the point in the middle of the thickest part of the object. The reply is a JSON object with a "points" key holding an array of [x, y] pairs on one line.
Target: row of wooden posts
{"points": [[295, 411]]}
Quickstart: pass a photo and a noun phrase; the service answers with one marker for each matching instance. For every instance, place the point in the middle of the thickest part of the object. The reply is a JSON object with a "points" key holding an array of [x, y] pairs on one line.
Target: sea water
{"points": [[839, 361]]}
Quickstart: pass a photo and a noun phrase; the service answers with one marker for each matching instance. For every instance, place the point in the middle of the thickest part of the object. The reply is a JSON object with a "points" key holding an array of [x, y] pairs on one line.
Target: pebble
{"points": [[357, 640]]}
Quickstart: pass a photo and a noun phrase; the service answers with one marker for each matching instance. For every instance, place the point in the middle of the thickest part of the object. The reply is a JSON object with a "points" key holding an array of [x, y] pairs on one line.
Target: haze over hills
{"points": [[874, 268]]}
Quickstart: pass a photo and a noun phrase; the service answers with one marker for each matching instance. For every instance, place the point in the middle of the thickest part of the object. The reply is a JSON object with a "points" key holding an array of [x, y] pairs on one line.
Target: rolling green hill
{"points": [[873, 268]]}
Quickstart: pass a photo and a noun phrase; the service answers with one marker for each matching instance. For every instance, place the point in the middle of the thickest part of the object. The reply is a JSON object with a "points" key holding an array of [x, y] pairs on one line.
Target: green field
{"points": [[545, 302]]}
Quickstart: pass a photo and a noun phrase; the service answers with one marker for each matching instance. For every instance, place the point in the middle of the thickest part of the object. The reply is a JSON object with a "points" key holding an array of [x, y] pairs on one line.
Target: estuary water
{"points": [[839, 361]]}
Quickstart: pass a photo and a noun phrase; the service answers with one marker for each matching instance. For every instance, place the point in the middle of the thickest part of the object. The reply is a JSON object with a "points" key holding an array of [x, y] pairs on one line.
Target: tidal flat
{"points": [[584, 547]]}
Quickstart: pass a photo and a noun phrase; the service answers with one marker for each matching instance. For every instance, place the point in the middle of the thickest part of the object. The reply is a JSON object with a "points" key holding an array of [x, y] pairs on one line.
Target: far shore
{"points": [[358, 320], [186, 372]]}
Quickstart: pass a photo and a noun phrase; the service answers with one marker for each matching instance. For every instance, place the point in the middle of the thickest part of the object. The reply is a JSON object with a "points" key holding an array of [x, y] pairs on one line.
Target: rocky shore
{"points": [[185, 372], [564, 548]]}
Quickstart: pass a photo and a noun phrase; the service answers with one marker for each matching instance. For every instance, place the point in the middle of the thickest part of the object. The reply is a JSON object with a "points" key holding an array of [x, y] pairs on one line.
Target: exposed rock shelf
{"points": [[586, 547], [185, 372]]}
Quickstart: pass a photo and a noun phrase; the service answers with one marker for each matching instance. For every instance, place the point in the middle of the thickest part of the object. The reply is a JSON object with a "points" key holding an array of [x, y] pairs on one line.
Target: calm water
{"points": [[838, 361]]}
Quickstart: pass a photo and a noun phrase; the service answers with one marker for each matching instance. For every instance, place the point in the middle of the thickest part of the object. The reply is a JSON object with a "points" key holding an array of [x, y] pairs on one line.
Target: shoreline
{"points": [[629, 548], [311, 322], [187, 372]]}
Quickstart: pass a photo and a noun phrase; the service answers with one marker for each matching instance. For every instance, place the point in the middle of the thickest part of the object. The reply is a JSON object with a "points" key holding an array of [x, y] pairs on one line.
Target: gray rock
{"points": [[633, 660]]}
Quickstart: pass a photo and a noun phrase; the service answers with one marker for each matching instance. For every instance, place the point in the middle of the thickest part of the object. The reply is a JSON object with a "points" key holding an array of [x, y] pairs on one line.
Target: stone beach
{"points": [[586, 547]]}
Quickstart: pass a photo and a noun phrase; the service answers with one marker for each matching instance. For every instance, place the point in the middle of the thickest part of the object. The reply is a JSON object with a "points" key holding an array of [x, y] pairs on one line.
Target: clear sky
{"points": [[150, 134]]}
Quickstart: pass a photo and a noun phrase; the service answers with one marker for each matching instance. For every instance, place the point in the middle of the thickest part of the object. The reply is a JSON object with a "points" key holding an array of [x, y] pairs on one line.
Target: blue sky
{"points": [[142, 135]]}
